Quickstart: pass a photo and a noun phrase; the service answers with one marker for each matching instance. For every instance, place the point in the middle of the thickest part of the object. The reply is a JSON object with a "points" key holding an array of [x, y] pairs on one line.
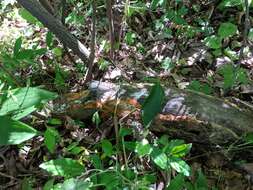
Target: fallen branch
{"points": [[56, 27]]}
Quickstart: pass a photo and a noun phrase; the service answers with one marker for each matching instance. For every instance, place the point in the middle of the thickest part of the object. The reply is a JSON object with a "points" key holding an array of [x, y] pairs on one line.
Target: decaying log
{"points": [[186, 114]]}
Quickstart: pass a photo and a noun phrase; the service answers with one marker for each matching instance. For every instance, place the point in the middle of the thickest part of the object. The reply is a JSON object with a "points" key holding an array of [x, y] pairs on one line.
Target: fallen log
{"points": [[186, 114]]}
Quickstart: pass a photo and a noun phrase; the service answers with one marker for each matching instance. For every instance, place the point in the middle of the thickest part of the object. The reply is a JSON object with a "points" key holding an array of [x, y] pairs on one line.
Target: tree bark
{"points": [[56, 27]]}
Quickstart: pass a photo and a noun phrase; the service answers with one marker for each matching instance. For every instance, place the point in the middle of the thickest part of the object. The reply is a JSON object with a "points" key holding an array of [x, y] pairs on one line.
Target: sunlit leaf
{"points": [[73, 184], [227, 30], [143, 148], [213, 42], [24, 101], [160, 158], [180, 166], [65, 167]]}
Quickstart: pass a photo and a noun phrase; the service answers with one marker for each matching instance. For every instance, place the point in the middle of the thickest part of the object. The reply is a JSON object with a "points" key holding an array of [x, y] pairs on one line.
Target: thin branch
{"points": [[246, 29], [88, 76], [55, 26], [109, 9]]}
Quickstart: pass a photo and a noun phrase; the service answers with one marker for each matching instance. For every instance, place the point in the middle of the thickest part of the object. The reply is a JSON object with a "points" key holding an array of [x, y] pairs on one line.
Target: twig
{"points": [[8, 176], [246, 29], [88, 76], [109, 5]]}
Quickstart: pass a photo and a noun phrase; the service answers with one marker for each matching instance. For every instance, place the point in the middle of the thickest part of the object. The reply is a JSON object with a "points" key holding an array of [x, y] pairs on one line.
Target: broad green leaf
{"points": [[213, 42], [153, 104], [51, 136], [227, 30], [177, 183], [160, 158], [24, 101], [17, 46], [143, 148], [107, 147], [14, 132], [227, 72], [110, 180], [179, 165], [27, 16], [73, 184], [65, 167]]}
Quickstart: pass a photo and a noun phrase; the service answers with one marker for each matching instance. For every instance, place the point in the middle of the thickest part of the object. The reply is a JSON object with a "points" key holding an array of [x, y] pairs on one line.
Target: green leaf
{"points": [[73, 184], [65, 167], [201, 182], [153, 104], [227, 30], [125, 131], [96, 161], [250, 35], [110, 180], [51, 136], [24, 101], [213, 42], [54, 121], [143, 148], [25, 54], [107, 147], [227, 72], [57, 51], [49, 185], [181, 150], [180, 166], [26, 184], [177, 183], [96, 118], [14, 132], [130, 38], [27, 16], [160, 158], [156, 3], [49, 40], [17, 46]]}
